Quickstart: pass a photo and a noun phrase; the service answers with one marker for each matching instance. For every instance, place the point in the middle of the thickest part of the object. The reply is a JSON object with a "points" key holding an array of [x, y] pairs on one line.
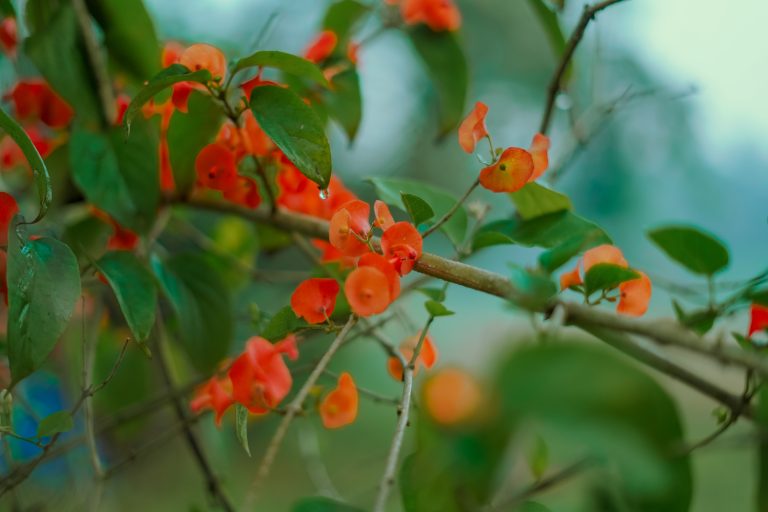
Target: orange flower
{"points": [[349, 226], [353, 52], [339, 407], [253, 139], [315, 299], [321, 47], [439, 15], [758, 319], [260, 377], [330, 254], [452, 396], [510, 173], [171, 54], [8, 208], [122, 239], [635, 296], [216, 167], [121, 105], [571, 278], [427, 356], [381, 263], [367, 291], [384, 218], [604, 254], [402, 244], [215, 394], [244, 192], [204, 56], [472, 128], [180, 96], [539, 152]]}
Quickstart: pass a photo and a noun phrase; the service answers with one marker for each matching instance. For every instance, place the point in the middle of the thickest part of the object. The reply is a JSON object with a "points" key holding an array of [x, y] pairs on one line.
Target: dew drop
{"points": [[324, 194]]}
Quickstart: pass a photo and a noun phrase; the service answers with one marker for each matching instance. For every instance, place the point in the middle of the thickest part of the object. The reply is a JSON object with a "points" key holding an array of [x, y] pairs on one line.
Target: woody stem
{"points": [[388, 479]]}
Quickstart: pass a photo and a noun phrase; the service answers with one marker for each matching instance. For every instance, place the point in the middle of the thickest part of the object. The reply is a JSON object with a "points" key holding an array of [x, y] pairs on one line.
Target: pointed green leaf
{"points": [[134, 287], [342, 16], [344, 101], [696, 250], [559, 255], [417, 208], [437, 309], [241, 427], [607, 276], [202, 306], [36, 163], [296, 129], [283, 323], [43, 288], [286, 62], [538, 458], [390, 191], [534, 200], [447, 66], [56, 423], [173, 74]]}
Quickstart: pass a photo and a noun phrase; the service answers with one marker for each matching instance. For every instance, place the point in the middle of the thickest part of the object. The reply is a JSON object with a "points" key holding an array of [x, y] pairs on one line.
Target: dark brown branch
{"points": [[556, 83]]}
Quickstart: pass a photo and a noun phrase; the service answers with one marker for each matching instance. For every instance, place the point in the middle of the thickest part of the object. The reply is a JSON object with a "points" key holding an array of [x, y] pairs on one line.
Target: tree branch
{"points": [[555, 84]]}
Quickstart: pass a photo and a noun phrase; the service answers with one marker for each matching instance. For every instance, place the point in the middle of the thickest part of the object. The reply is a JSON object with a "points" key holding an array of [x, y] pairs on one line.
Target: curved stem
{"points": [[447, 216]]}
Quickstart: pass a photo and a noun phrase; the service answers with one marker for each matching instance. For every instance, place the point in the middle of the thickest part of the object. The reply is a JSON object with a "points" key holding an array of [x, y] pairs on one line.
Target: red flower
{"points": [[321, 47], [758, 319], [510, 173], [349, 227], [8, 36], [384, 218], [260, 377], [244, 192], [339, 407], [204, 56], [427, 356], [216, 395], [402, 246], [216, 167], [439, 15], [367, 291], [8, 208], [381, 263], [315, 299], [34, 99]]}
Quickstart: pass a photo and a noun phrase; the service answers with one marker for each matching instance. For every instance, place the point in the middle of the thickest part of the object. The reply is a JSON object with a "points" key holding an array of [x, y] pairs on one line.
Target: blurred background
{"points": [[666, 122]]}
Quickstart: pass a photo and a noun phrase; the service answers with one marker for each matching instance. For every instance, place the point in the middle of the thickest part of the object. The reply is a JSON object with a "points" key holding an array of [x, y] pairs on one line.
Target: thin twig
{"points": [[543, 485], [555, 84], [291, 411], [212, 482], [97, 62], [447, 216], [388, 479]]}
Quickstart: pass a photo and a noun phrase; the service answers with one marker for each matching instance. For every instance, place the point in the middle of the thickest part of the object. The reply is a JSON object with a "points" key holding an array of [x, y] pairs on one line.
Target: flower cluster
{"points": [[514, 167], [438, 15], [258, 379], [634, 295], [8, 208]]}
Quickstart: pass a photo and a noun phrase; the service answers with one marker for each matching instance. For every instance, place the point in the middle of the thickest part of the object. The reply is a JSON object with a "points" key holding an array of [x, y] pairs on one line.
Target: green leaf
{"points": [[173, 74], [58, 422], [699, 252], [55, 46], [437, 309], [390, 191], [7, 9], [188, 133], [43, 288], [296, 129], [241, 427], [344, 101], [286, 62], [533, 290], [342, 16], [534, 200], [202, 305], [551, 26], [436, 294], [129, 35], [538, 458], [283, 323], [36, 163], [117, 175], [607, 276], [759, 297], [559, 255], [134, 287], [588, 398], [547, 231], [417, 208], [323, 505], [447, 66], [762, 449], [532, 506], [701, 321]]}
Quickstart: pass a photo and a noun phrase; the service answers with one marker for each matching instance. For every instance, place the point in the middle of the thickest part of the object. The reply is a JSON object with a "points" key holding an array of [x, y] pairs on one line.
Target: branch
{"points": [[388, 479], [214, 487], [555, 84], [542, 485], [291, 411], [97, 63]]}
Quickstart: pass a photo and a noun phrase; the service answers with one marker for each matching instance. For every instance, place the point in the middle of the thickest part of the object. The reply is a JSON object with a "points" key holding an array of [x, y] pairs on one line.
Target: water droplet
{"points": [[324, 194]]}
